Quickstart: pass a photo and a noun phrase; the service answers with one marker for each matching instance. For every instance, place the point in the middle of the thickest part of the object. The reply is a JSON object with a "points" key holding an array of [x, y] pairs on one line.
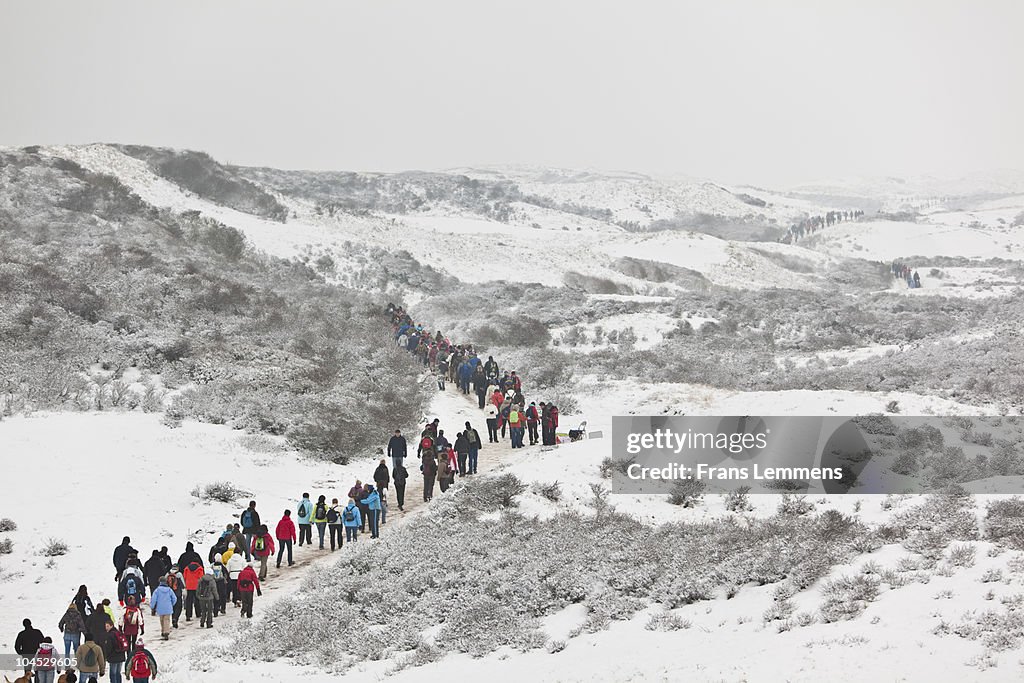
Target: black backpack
{"points": [[332, 516], [303, 510], [321, 511], [350, 515]]}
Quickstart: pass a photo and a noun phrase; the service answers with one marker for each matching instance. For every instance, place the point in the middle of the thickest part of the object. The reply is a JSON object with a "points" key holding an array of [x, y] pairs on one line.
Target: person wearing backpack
{"points": [[262, 548], [220, 575], [153, 570], [116, 652], [285, 533], [84, 602], [44, 661], [320, 519], [235, 566], [176, 582], [550, 424], [480, 385], [250, 520], [515, 426], [132, 625], [373, 507], [532, 418], [121, 555], [491, 415], [352, 519], [162, 605], [142, 666], [208, 595], [429, 469], [304, 512], [95, 623], [131, 585], [189, 556], [473, 439], [73, 626], [334, 525], [248, 582], [90, 660], [461, 448], [193, 572], [491, 369], [442, 373], [399, 475]]}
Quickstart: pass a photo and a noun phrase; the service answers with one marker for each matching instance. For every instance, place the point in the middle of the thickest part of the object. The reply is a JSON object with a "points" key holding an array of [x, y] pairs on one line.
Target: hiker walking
{"points": [[443, 470], [220, 575], [208, 595], [334, 525], [473, 441], [28, 641], [532, 418], [480, 385], [235, 566], [153, 570], [72, 625], [116, 652], [44, 661], [442, 373], [121, 554], [304, 512], [285, 533], [429, 469], [250, 520], [491, 414], [399, 475], [462, 452], [161, 605], [262, 549], [132, 625], [381, 476], [373, 506], [142, 665], [83, 602], [352, 519], [397, 448], [192, 573], [176, 584], [90, 660], [320, 519], [248, 583]]}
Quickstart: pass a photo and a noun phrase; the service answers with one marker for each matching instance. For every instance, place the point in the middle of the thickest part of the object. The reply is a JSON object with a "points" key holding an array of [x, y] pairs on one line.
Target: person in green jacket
{"points": [[320, 518]]}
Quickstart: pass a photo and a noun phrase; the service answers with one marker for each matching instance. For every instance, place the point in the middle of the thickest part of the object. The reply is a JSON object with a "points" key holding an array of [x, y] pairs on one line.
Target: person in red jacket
{"points": [[285, 533], [193, 572], [248, 583], [532, 418], [262, 548]]}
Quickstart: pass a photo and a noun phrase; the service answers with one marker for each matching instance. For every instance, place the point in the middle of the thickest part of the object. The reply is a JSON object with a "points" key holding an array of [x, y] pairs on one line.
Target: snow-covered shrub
{"points": [[552, 491], [6, 546], [484, 624], [795, 505], [666, 621], [7, 524], [992, 575], [607, 467], [687, 492], [1004, 522], [847, 597], [220, 491], [738, 500], [962, 555], [54, 547]]}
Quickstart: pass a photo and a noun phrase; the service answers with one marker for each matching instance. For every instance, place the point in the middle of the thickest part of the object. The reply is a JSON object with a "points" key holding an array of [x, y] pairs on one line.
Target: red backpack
{"points": [[120, 641], [426, 444], [140, 666]]}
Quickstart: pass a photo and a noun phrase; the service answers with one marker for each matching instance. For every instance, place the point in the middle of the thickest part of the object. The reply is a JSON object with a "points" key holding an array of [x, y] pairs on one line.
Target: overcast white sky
{"points": [[762, 91]]}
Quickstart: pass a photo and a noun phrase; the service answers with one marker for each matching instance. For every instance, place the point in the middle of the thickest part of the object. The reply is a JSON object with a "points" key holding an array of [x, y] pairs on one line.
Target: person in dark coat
{"points": [[398, 449], [83, 602], [429, 467], [462, 452], [153, 570], [96, 623], [381, 477], [399, 475], [121, 555], [165, 557], [189, 556], [28, 641]]}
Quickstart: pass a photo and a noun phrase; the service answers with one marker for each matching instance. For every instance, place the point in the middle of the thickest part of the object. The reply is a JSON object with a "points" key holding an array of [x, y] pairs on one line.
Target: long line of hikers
{"points": [[901, 271], [97, 642], [810, 225]]}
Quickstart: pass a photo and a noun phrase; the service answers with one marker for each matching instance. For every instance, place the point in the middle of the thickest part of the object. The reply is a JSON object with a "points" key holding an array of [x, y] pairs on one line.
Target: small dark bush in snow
{"points": [[738, 500], [6, 546], [1004, 522], [54, 547], [7, 524], [220, 491], [666, 621], [552, 491], [687, 493], [847, 597]]}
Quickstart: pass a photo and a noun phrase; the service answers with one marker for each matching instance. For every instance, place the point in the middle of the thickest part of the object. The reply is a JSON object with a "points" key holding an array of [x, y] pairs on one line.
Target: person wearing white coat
{"points": [[236, 563]]}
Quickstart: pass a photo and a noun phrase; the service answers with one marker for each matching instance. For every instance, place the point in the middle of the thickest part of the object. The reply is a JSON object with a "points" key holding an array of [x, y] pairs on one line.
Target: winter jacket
{"points": [[192, 573], [268, 546], [372, 500], [453, 462], [121, 554], [226, 556], [250, 520], [163, 600], [462, 445], [111, 651], [28, 641], [190, 555], [399, 475], [286, 530], [132, 623], [491, 368], [153, 570], [131, 585], [84, 605], [397, 447], [357, 517], [381, 476], [110, 613], [334, 513], [90, 650], [491, 411], [46, 658], [497, 398], [235, 565], [72, 622], [443, 467], [319, 513], [207, 588], [218, 548], [177, 584], [473, 439], [429, 465], [531, 415], [249, 574], [304, 518]]}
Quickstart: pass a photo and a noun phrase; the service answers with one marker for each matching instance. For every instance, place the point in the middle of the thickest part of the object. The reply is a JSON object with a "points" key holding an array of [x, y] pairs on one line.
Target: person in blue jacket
{"points": [[161, 604], [304, 516], [465, 375], [372, 502], [352, 520]]}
